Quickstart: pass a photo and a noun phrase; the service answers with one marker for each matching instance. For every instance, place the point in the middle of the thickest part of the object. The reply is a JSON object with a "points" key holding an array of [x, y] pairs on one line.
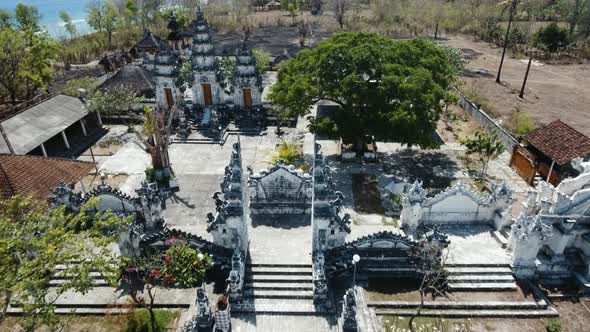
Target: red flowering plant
{"points": [[180, 266]]}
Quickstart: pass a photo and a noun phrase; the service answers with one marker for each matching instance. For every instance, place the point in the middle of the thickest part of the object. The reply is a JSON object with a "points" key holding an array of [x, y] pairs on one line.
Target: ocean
{"points": [[49, 10]]}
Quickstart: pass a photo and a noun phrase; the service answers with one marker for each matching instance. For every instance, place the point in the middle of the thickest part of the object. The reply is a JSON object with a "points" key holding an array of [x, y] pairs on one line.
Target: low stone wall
{"points": [[484, 120]]}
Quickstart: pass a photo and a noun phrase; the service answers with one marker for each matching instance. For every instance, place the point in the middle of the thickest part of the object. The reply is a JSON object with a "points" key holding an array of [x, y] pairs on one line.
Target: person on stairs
{"points": [[222, 315]]}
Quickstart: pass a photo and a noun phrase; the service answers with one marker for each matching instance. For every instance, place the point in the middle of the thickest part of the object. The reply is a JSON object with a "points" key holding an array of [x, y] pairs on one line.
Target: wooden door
{"points": [[247, 99], [207, 97], [169, 98]]}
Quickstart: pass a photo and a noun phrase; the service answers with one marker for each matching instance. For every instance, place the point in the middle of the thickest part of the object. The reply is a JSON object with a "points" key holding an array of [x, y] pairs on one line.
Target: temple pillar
{"points": [[42, 146], [65, 138], [98, 118], [83, 127]]}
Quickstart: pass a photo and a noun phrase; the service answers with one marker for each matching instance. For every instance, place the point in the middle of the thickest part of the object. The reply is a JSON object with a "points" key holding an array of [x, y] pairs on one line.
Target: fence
{"points": [[488, 123]]}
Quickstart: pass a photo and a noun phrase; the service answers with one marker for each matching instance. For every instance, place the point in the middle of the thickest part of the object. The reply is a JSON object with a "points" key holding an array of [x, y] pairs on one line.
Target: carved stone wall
{"points": [[456, 205], [280, 190]]}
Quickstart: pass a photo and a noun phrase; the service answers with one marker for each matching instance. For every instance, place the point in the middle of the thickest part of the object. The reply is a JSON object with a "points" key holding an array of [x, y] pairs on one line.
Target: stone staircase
{"points": [[59, 277], [480, 277], [482, 309], [103, 299], [278, 289]]}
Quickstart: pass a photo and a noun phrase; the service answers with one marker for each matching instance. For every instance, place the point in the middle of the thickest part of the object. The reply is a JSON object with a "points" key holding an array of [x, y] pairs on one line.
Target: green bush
{"points": [[517, 36], [521, 123], [551, 37], [552, 325], [490, 31], [150, 175], [140, 320]]}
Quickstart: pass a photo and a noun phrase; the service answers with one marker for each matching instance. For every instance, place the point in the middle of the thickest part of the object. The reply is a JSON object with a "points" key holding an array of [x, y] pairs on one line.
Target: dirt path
{"points": [[553, 91]]}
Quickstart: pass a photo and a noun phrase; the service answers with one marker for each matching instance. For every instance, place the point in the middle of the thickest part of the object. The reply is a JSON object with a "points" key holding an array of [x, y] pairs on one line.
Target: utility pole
{"points": [[526, 76], [512, 10]]}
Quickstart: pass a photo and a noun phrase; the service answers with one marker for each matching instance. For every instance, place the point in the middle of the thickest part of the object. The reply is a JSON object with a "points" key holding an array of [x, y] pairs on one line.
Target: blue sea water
{"points": [[49, 10]]}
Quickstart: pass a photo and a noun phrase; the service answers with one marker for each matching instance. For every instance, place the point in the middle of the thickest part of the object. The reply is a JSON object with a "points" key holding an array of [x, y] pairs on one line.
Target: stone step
{"points": [[16, 311], [278, 307], [477, 265], [549, 312], [482, 286], [302, 271], [286, 265], [460, 305], [278, 294], [481, 278], [60, 274], [279, 286], [479, 270], [278, 278], [59, 282]]}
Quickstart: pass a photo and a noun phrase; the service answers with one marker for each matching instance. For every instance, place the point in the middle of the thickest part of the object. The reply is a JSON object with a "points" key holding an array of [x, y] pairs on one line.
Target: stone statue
{"points": [[204, 316]]}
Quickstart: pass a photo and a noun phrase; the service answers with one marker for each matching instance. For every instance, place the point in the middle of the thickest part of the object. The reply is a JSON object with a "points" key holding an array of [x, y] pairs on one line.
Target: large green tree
{"points": [[103, 16], [36, 241], [26, 59], [27, 17], [393, 90]]}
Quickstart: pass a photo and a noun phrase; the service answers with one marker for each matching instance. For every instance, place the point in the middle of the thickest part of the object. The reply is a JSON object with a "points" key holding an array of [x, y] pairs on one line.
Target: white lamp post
{"points": [[355, 259]]}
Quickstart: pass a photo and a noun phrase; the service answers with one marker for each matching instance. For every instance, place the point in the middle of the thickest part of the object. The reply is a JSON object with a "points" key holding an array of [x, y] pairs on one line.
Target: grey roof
{"points": [[135, 77], [28, 129]]}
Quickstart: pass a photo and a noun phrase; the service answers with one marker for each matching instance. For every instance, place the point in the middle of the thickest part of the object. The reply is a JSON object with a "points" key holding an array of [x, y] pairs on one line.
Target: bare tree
{"points": [[340, 8], [430, 257], [304, 29]]}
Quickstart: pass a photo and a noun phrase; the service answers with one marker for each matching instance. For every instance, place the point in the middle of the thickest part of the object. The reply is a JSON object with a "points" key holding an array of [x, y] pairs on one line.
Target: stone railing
{"points": [[484, 120]]}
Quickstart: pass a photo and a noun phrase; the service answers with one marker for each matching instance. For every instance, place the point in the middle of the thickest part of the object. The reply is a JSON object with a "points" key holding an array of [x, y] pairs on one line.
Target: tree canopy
{"points": [[35, 241], [390, 89], [26, 58]]}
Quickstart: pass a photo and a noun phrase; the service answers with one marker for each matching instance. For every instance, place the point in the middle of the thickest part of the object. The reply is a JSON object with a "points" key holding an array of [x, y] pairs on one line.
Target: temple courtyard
{"points": [[279, 266]]}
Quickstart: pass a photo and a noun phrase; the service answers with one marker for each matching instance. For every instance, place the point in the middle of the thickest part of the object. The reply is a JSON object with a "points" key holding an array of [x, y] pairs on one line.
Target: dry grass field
{"points": [[553, 91]]}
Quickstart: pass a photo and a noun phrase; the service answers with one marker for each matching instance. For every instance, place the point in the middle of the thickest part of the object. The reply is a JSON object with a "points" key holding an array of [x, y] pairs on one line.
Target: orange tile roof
{"points": [[560, 142], [36, 176]]}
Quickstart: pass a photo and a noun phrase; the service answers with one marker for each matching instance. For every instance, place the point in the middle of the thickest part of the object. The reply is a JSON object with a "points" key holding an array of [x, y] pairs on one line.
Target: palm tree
{"points": [[511, 6]]}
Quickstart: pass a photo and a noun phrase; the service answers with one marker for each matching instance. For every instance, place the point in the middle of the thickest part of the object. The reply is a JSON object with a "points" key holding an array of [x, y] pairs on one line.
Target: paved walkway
{"points": [[270, 323]]}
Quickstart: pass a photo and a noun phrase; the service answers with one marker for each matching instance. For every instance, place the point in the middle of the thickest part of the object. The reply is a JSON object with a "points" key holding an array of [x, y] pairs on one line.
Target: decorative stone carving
{"points": [[320, 283], [280, 190], [228, 225], [527, 235], [349, 321], [235, 280]]}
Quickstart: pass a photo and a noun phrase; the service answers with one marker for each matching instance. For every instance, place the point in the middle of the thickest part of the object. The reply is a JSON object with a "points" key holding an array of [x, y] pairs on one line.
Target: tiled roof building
{"points": [[36, 176]]}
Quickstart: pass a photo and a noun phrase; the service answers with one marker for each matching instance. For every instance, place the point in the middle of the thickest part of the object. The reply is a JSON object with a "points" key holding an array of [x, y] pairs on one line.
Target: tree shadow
{"points": [[174, 198], [436, 169]]}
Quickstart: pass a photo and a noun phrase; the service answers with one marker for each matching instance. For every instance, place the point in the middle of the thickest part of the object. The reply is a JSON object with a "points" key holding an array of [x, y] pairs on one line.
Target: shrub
{"points": [[552, 325], [551, 37], [521, 123], [517, 36], [490, 30], [288, 153]]}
